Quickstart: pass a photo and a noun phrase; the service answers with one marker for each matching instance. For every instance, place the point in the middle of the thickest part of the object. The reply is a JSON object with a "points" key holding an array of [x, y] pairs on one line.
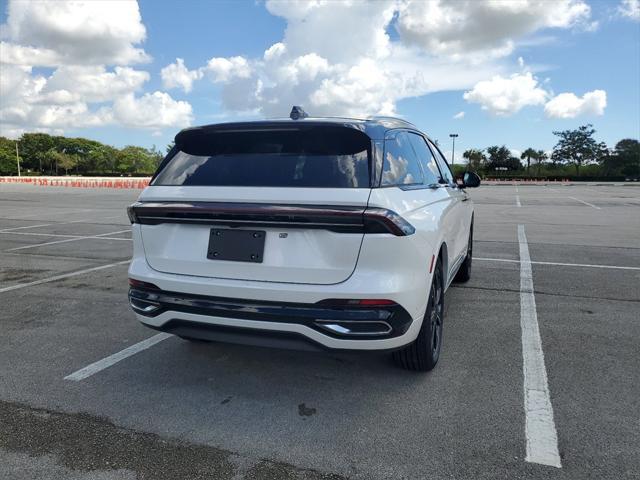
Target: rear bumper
{"points": [[278, 324], [403, 278], [239, 335], [258, 337]]}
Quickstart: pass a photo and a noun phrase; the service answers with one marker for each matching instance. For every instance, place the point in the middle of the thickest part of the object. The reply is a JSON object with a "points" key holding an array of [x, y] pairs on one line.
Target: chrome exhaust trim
{"points": [[143, 306], [346, 327]]}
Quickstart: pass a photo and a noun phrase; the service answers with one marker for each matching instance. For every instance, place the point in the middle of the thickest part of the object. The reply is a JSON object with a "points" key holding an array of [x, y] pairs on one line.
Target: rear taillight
{"points": [[131, 213], [346, 219], [382, 220]]}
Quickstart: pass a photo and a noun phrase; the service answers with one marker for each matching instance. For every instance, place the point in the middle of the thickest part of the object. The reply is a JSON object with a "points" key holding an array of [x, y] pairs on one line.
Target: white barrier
{"points": [[81, 182], [524, 181]]}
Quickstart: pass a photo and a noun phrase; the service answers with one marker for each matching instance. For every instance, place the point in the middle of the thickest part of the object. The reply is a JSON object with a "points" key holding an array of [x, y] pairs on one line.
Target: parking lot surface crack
{"points": [[550, 294], [82, 442]]}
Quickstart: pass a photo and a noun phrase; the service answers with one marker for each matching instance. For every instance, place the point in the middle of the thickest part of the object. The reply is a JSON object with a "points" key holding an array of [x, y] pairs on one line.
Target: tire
{"points": [[464, 273], [422, 355]]}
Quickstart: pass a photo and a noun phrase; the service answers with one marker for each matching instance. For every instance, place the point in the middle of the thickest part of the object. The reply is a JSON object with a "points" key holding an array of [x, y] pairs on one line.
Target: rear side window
{"points": [[318, 156], [401, 165], [425, 157], [442, 163]]}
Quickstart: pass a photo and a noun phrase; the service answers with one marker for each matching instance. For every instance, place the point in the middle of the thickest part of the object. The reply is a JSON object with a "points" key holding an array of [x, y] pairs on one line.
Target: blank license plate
{"points": [[236, 245]]}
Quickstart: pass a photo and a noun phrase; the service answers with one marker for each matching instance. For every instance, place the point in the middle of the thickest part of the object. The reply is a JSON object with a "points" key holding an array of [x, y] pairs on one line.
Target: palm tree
{"points": [[529, 153], [474, 158], [540, 156]]}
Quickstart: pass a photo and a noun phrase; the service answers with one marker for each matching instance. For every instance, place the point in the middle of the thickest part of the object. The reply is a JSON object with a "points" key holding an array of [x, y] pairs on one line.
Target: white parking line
{"points": [[586, 203], [116, 357], [517, 197], [74, 239], [596, 191], [56, 235], [585, 265], [28, 226], [120, 215], [60, 277], [36, 234], [540, 429], [83, 220], [69, 212]]}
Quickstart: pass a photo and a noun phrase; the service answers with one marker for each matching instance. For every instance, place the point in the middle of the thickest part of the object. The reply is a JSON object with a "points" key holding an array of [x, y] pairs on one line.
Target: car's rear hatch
{"points": [[299, 192]]}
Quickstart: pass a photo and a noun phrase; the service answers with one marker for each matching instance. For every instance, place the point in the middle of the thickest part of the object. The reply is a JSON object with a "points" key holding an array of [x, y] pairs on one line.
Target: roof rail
{"points": [[388, 118]]}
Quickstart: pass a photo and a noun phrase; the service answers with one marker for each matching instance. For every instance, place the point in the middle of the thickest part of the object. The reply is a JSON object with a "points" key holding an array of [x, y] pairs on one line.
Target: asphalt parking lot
{"points": [[182, 410]]}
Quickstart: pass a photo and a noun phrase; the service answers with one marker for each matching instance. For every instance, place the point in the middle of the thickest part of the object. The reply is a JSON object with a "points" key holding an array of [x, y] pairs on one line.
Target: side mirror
{"points": [[471, 180]]}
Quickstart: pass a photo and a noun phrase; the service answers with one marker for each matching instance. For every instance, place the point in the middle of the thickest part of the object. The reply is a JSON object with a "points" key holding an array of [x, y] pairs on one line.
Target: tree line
{"points": [[576, 153], [43, 154]]}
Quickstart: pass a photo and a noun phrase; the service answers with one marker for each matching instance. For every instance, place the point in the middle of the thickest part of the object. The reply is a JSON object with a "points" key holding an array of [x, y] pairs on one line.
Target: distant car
{"points": [[304, 232]]}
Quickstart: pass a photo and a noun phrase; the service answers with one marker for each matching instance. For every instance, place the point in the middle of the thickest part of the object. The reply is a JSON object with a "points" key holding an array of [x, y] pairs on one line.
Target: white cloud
{"points": [[73, 33], [361, 84], [459, 27], [63, 100], [24, 106], [18, 85], [568, 105], [331, 68], [226, 69], [459, 116], [630, 9], [13, 54], [305, 68], [325, 64], [71, 115], [274, 51], [88, 45], [152, 110], [335, 58], [339, 31], [67, 84], [177, 75], [94, 83], [506, 96]]}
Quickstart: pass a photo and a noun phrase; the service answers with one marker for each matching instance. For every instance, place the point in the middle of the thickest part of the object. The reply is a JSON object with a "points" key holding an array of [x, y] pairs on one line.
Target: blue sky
{"points": [[415, 60]]}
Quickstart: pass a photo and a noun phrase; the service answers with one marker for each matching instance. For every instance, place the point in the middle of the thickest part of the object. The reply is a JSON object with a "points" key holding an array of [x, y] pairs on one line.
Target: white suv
{"points": [[305, 232]]}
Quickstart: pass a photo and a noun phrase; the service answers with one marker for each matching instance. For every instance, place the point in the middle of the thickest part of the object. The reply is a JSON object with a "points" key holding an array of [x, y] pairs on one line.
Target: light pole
{"points": [[453, 151], [17, 159]]}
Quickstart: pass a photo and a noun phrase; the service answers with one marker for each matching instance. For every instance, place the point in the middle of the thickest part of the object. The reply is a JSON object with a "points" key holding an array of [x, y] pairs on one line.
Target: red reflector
{"points": [[375, 301], [133, 283], [433, 257], [357, 302]]}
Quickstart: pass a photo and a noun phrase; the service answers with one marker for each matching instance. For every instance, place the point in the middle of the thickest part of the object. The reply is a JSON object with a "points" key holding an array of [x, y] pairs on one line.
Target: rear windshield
{"points": [[336, 157]]}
